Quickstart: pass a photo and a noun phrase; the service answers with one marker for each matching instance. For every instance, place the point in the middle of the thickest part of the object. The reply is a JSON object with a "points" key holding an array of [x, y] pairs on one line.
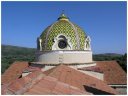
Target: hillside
{"points": [[15, 53], [106, 56]]}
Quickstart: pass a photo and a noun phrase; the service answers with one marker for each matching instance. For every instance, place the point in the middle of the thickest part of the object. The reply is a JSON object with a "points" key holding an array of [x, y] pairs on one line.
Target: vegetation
{"points": [[14, 53]]}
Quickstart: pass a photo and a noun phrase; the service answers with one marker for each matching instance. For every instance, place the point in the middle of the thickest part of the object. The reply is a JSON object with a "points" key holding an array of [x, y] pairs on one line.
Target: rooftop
{"points": [[112, 71], [13, 72], [78, 79], [62, 79]]}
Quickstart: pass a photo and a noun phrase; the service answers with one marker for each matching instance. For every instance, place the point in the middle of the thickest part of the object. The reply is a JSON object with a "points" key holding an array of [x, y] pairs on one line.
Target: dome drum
{"points": [[64, 57]]}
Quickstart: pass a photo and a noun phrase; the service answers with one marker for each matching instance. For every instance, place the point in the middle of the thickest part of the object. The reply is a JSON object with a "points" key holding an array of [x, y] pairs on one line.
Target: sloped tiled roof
{"points": [[37, 83], [13, 72], [21, 85], [113, 73], [78, 79], [66, 79], [49, 85]]}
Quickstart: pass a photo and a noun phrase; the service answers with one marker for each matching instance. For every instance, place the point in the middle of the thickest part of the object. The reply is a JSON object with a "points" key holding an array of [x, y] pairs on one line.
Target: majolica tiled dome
{"points": [[63, 26]]}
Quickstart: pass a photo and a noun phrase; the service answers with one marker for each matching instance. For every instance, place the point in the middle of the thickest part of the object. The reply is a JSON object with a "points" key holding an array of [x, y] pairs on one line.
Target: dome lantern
{"points": [[63, 17]]}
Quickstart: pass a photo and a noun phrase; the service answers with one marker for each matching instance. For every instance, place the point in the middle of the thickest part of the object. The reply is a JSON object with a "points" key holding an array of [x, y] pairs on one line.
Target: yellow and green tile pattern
{"points": [[62, 27]]}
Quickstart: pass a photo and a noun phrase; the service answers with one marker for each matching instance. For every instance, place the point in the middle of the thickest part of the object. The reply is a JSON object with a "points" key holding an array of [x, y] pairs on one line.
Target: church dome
{"points": [[65, 29]]}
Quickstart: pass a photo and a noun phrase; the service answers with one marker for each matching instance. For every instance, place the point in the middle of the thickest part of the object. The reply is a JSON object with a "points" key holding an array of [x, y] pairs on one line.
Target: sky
{"points": [[105, 22]]}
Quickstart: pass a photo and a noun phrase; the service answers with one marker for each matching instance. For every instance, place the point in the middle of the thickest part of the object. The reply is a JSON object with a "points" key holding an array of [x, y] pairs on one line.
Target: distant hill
{"points": [[109, 54], [106, 56], [15, 53], [14, 50]]}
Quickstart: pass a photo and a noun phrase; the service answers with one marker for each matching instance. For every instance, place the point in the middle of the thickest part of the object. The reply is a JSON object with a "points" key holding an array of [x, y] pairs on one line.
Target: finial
{"points": [[63, 16], [62, 11]]}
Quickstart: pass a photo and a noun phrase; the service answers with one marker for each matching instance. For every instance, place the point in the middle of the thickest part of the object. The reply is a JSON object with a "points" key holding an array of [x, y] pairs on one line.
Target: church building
{"points": [[64, 66]]}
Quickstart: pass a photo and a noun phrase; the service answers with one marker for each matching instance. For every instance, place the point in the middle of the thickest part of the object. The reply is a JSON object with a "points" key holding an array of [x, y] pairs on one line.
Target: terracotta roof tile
{"points": [[42, 88], [74, 91], [58, 80], [50, 78], [92, 68], [49, 85], [36, 83], [4, 89], [112, 71], [61, 88], [78, 79], [49, 71], [19, 86], [13, 72]]}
